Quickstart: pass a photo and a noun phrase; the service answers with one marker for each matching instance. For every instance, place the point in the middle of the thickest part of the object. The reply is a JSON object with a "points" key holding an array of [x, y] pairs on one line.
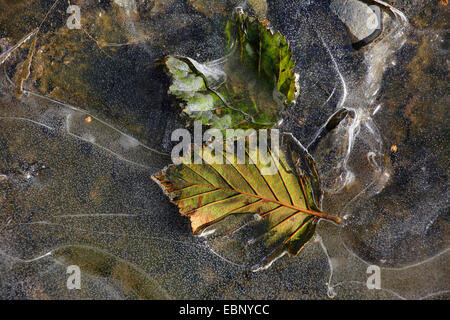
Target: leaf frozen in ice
{"points": [[286, 201], [247, 89]]}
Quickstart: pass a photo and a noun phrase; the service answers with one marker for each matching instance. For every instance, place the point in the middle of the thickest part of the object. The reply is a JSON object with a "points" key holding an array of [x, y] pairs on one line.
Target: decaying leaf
{"points": [[23, 69], [286, 201], [246, 89]]}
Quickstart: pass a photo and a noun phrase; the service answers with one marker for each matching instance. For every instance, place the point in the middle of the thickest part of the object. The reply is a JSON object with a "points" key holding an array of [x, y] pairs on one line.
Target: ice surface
{"points": [[77, 150]]}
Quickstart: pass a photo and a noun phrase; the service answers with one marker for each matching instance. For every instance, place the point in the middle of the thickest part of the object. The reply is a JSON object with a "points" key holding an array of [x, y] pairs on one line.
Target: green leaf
{"points": [[286, 200], [246, 89]]}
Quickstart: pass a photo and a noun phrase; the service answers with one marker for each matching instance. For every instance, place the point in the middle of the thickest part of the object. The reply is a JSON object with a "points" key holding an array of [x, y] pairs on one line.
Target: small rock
{"points": [[359, 18]]}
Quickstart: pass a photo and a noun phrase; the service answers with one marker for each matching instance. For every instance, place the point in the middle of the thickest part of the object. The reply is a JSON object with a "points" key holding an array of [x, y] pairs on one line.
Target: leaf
{"points": [[246, 89], [286, 201], [23, 69]]}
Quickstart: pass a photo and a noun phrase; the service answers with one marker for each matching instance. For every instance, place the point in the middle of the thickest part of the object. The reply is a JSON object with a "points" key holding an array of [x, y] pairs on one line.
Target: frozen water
{"points": [[77, 151]]}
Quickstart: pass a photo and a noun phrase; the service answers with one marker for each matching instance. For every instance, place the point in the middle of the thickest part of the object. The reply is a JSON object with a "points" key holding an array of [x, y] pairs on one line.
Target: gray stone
{"points": [[359, 18]]}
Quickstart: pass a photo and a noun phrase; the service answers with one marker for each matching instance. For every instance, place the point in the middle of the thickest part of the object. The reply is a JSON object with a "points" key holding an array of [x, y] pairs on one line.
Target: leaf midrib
{"points": [[310, 212]]}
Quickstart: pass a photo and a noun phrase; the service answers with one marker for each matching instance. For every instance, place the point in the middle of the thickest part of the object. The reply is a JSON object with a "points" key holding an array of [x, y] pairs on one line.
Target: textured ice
{"points": [[75, 183]]}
